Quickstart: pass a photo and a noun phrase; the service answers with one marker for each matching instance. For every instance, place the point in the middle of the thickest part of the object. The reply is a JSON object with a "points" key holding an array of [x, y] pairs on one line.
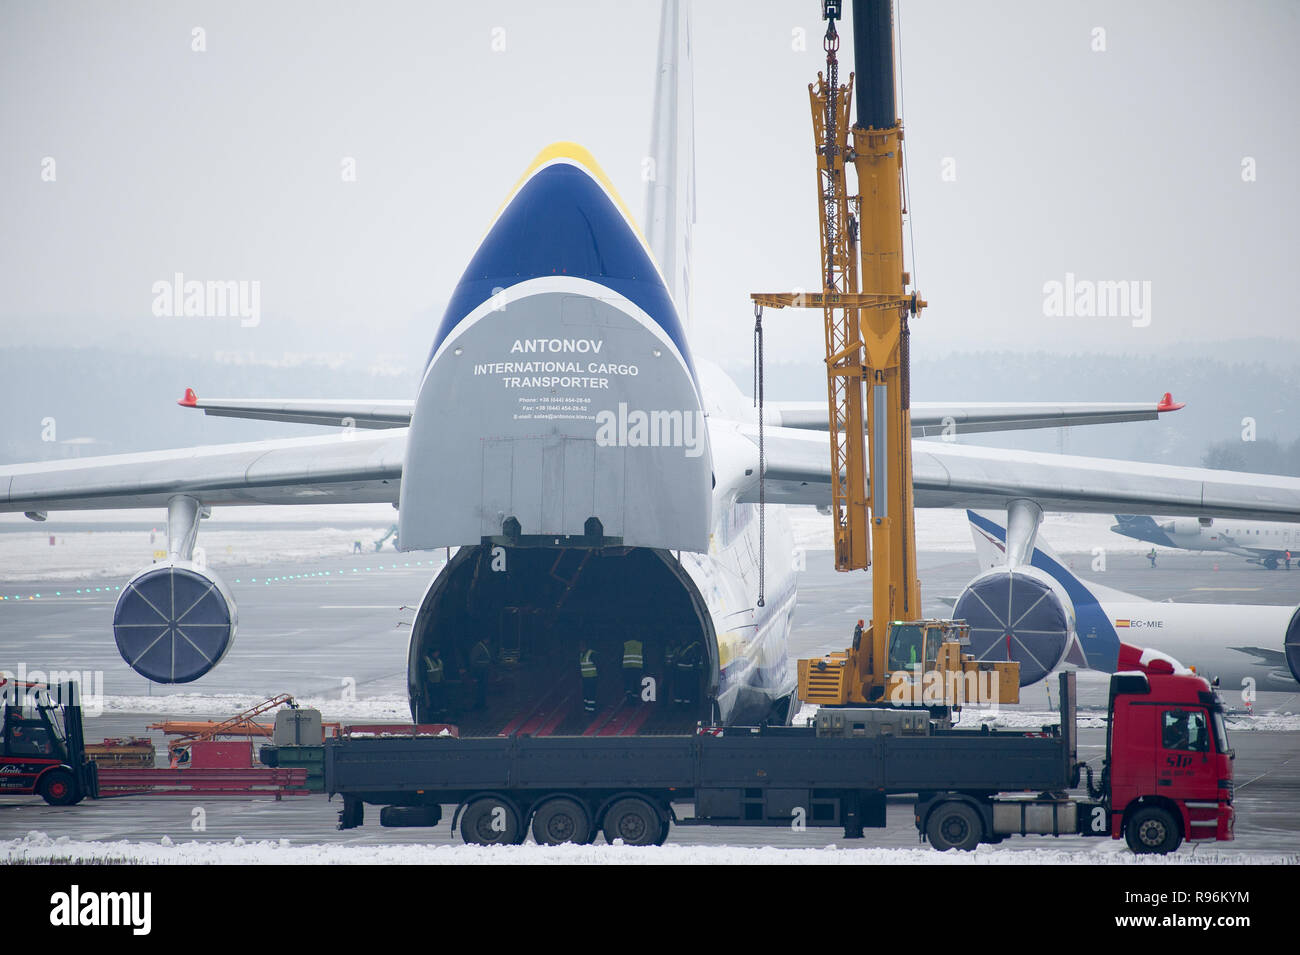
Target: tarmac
{"points": [[332, 628]]}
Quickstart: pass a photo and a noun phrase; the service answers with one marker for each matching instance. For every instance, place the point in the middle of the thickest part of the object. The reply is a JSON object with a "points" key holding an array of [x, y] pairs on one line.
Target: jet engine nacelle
{"points": [[1185, 526], [174, 622], [1021, 615], [1291, 645]]}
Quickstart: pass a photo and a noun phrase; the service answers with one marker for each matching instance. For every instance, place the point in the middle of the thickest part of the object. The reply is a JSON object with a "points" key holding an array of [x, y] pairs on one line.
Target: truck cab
{"points": [[1168, 761]]}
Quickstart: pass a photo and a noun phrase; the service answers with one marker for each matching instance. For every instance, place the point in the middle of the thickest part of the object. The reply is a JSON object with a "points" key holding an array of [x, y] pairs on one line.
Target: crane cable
{"points": [[762, 451], [905, 351], [902, 112]]}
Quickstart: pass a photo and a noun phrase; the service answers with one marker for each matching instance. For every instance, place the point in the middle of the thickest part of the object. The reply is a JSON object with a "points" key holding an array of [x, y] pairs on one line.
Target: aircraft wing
{"points": [[940, 418], [950, 475], [1258, 553], [337, 468], [928, 418], [359, 413]]}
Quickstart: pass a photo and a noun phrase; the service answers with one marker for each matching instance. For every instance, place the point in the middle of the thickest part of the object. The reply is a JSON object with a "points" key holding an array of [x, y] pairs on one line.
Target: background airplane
{"points": [[1260, 542], [1040, 612]]}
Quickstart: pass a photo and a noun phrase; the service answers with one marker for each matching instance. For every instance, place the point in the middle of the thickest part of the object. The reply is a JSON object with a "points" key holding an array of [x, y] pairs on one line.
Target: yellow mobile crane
{"points": [[901, 659]]}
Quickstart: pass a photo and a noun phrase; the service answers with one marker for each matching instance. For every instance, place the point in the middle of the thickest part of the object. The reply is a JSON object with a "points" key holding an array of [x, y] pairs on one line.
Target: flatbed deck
{"points": [[573, 777]]}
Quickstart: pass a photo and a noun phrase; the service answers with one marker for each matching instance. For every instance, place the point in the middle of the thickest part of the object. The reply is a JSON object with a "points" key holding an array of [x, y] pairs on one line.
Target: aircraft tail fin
{"points": [[989, 535], [1140, 527], [990, 550], [670, 168]]}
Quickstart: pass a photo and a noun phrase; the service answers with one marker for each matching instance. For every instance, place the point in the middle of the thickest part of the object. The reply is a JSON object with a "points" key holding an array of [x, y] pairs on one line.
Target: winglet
{"points": [[1167, 403], [191, 400]]}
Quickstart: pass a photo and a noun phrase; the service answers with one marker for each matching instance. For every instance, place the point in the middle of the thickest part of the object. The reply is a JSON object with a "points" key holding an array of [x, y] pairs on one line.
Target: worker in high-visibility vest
{"points": [[587, 667], [433, 685], [633, 667], [686, 680], [480, 665]]}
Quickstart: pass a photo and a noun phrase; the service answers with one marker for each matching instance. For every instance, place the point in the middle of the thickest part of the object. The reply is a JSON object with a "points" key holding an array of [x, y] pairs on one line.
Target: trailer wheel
{"points": [[58, 788], [562, 820], [1152, 829], [664, 826], [490, 821], [635, 822], [954, 825]]}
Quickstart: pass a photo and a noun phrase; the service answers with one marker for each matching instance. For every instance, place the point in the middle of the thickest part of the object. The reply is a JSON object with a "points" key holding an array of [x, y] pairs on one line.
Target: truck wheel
{"points": [[393, 817], [954, 825], [560, 820], [1152, 829], [635, 822], [489, 821], [58, 788], [353, 814]]}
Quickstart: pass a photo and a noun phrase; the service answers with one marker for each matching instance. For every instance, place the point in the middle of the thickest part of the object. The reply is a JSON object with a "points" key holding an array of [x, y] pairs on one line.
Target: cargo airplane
{"points": [[555, 441]]}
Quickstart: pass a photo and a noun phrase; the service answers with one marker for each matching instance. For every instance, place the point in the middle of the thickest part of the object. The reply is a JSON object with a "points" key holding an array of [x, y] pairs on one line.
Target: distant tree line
{"points": [[1262, 457]]}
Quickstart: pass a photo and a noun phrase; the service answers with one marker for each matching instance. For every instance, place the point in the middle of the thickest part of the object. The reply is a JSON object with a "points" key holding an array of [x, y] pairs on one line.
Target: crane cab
{"points": [[925, 665]]}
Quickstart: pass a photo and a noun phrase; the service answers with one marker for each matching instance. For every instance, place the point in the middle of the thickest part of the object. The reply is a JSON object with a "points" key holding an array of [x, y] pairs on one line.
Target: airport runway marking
{"points": [[1269, 772]]}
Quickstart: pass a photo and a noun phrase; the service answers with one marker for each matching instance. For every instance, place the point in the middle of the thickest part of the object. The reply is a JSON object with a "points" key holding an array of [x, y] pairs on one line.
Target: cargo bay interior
{"points": [[537, 609]]}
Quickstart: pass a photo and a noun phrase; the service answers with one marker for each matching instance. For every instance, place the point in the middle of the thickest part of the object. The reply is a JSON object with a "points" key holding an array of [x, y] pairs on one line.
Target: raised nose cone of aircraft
{"points": [[559, 406], [564, 217]]}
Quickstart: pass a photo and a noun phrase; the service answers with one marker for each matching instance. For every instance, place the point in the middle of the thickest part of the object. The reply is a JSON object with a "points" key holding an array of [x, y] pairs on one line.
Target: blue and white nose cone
{"points": [[560, 387]]}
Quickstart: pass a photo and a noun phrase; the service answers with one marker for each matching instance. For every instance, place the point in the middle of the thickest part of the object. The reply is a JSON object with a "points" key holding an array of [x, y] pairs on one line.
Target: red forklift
{"points": [[43, 749]]}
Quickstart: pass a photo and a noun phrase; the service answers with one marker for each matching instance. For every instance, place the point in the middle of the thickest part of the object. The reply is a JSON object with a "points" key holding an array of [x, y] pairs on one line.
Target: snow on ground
{"points": [[974, 717], [1263, 722], [222, 705], [232, 514], [1015, 719], [90, 555], [114, 543], [948, 530], [38, 847]]}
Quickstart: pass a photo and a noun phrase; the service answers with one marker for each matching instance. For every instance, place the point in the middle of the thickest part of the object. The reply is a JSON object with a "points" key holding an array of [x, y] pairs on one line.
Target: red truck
{"points": [[1167, 776], [1168, 762]]}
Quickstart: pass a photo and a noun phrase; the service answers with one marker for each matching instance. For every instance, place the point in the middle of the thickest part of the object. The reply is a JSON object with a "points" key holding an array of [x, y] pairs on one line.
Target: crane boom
{"points": [[844, 371], [878, 164], [867, 302]]}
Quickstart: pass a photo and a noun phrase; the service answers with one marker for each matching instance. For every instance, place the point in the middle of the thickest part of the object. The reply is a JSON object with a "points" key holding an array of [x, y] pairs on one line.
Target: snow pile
{"points": [[253, 513], [1012, 719], [1263, 722], [39, 847], [112, 543], [1004, 719], [83, 555], [223, 705], [1000, 719], [805, 715], [948, 530]]}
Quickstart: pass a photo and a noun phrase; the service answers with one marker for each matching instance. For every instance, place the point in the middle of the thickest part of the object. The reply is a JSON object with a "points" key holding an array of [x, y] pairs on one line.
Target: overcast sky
{"points": [[1117, 164]]}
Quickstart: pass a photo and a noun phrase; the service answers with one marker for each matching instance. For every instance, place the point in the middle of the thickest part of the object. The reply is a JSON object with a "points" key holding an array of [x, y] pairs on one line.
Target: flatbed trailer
{"points": [[971, 786]]}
